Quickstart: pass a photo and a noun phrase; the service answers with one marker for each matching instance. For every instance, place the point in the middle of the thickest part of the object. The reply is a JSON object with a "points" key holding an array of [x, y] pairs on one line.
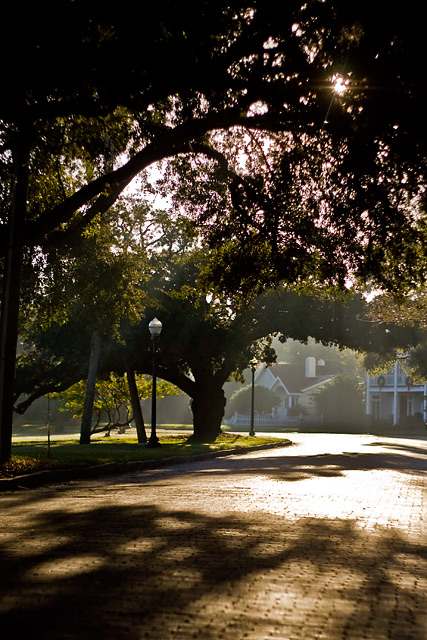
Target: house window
{"points": [[376, 406]]}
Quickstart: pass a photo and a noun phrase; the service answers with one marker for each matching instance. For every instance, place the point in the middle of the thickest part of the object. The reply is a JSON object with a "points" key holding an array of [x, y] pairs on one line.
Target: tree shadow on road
{"points": [[420, 451], [138, 571], [293, 468]]}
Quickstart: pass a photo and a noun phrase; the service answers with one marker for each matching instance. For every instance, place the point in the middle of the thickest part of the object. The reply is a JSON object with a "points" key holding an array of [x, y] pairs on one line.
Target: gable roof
{"points": [[294, 379]]}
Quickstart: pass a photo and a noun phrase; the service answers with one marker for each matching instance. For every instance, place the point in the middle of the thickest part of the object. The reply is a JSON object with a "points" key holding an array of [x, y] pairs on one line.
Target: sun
{"points": [[339, 84]]}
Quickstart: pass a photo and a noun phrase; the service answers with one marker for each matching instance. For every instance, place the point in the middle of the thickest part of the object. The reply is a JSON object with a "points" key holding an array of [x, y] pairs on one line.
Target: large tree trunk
{"points": [[136, 407], [11, 291], [207, 405], [95, 349]]}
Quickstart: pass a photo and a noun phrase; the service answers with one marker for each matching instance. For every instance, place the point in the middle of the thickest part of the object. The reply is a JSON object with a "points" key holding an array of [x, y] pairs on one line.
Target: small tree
{"points": [[112, 406], [342, 403], [240, 402], [298, 410]]}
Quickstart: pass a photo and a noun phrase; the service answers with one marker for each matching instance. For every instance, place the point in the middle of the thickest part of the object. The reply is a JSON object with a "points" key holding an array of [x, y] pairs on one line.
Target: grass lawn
{"points": [[30, 456]]}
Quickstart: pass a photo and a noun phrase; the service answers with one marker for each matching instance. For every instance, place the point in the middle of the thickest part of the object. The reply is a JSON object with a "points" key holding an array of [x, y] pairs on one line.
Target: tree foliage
{"points": [[265, 400], [341, 402], [100, 275], [207, 336], [112, 408], [408, 312], [308, 174]]}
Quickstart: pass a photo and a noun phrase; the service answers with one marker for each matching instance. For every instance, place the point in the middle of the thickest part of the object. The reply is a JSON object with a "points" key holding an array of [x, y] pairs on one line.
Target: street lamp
{"points": [[252, 430], [155, 328]]}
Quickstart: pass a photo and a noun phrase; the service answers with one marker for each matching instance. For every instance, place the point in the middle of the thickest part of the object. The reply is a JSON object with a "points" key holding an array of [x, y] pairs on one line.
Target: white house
{"points": [[394, 397], [295, 383]]}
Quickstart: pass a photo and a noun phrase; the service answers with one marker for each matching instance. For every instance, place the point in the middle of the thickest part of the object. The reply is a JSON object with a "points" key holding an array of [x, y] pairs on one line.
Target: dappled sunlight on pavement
{"points": [[325, 539]]}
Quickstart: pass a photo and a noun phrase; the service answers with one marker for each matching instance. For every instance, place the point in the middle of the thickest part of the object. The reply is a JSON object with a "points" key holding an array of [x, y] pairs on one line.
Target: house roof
{"points": [[294, 379]]}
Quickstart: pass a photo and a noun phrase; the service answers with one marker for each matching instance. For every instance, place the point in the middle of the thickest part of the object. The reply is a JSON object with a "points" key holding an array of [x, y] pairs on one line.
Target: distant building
{"points": [[295, 383], [395, 398]]}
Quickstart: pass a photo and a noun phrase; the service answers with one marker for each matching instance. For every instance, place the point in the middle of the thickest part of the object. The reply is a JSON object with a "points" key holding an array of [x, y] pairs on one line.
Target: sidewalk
{"points": [[326, 539]]}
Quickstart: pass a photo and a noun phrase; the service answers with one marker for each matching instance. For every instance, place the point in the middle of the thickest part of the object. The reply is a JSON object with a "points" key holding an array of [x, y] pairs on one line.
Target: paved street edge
{"points": [[57, 476]]}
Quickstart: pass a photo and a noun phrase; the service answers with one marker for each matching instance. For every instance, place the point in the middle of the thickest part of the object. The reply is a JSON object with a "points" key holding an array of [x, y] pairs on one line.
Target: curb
{"points": [[57, 476]]}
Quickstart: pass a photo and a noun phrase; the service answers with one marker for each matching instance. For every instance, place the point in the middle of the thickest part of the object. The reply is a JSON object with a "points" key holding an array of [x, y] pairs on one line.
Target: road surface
{"points": [[325, 539]]}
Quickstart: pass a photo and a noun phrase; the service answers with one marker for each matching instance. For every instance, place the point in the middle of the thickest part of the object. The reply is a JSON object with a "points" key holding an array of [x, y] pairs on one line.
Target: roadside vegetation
{"points": [[31, 456]]}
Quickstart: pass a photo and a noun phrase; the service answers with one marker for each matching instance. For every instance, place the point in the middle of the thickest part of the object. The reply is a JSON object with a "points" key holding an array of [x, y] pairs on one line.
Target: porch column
{"points": [[368, 393], [425, 404], [396, 371]]}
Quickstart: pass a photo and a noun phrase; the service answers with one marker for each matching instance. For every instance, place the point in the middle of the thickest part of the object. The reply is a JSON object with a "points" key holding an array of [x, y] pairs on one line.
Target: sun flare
{"points": [[339, 84]]}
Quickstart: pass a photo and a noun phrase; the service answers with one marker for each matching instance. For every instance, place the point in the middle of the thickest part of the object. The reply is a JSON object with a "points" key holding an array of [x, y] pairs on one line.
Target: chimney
{"points": [[310, 367]]}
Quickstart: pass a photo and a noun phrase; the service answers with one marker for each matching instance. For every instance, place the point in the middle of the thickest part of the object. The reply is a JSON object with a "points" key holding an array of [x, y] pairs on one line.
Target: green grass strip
{"points": [[32, 455]]}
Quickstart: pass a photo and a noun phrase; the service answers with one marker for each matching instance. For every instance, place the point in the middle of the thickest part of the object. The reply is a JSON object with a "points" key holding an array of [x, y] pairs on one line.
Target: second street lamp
{"points": [[252, 430], [155, 328]]}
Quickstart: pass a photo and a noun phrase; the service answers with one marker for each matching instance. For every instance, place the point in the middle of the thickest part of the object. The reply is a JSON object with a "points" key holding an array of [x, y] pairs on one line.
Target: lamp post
{"points": [[155, 328], [252, 430]]}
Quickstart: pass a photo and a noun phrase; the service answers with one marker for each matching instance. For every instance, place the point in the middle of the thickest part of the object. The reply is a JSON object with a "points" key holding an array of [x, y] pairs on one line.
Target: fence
{"points": [[244, 420]]}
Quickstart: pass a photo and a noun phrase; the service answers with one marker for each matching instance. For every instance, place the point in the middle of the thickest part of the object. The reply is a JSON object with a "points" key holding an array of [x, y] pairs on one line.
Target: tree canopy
{"points": [[205, 339], [341, 402], [95, 97], [265, 400]]}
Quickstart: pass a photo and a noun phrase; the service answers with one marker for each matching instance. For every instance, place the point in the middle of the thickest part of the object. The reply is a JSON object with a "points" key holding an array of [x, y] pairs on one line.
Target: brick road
{"points": [[325, 539]]}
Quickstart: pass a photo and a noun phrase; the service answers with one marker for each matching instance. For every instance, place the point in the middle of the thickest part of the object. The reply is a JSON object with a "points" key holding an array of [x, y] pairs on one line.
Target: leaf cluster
{"points": [[341, 402], [112, 406], [265, 400]]}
